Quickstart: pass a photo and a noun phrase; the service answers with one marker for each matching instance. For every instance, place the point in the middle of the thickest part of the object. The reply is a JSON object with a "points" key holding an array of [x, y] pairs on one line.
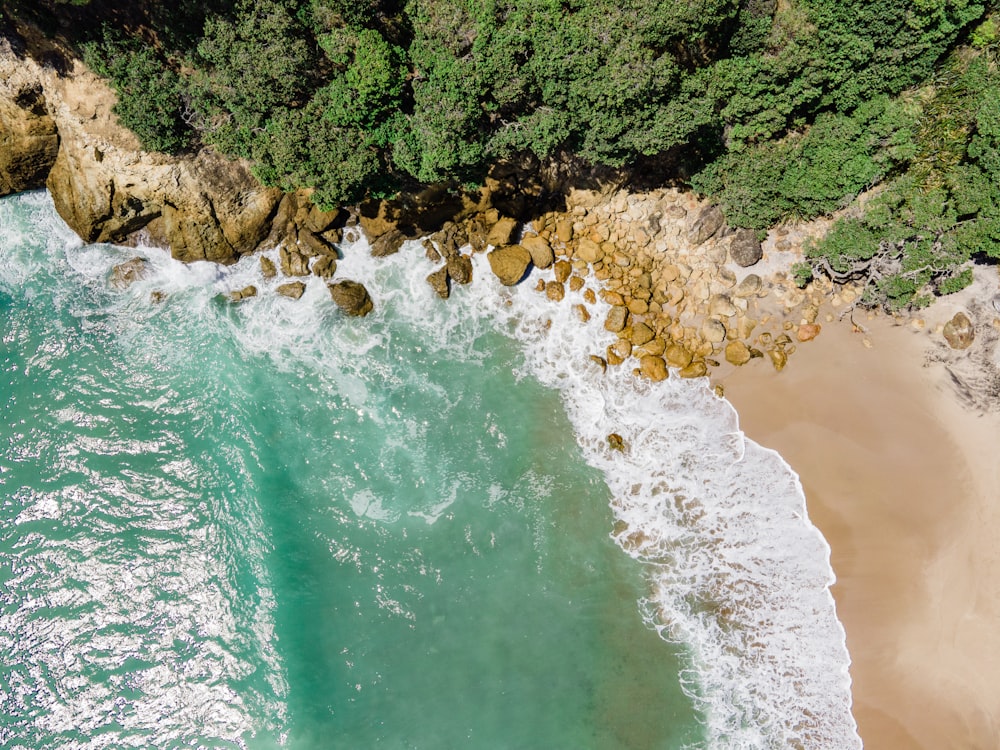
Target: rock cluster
{"points": [[661, 262], [664, 263]]}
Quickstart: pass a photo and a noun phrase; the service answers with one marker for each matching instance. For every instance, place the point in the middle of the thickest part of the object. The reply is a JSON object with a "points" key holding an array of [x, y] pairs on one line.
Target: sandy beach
{"points": [[901, 477]]}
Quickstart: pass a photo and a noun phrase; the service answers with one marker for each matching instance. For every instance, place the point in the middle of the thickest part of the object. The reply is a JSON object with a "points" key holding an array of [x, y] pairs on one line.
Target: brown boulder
{"points": [[387, 243], [352, 298], [709, 221], [325, 267], [509, 263], [563, 269], [313, 245], [460, 268], [319, 221], [745, 248], [617, 318], [541, 253], [555, 291], [959, 331], [502, 233], [737, 353], [267, 268], [653, 368], [589, 251], [694, 370], [564, 230], [245, 293], [293, 289], [293, 263], [642, 334], [678, 356], [439, 282]]}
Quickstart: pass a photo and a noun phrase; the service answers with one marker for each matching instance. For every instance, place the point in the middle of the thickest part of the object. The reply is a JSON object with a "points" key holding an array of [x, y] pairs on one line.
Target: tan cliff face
{"points": [[58, 131]]}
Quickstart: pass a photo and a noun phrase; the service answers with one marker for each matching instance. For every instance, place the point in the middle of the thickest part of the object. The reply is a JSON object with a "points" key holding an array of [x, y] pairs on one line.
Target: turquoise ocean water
{"points": [[267, 525]]}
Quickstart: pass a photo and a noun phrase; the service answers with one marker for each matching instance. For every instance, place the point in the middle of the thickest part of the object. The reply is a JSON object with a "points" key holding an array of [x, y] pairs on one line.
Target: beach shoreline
{"points": [[899, 476]]}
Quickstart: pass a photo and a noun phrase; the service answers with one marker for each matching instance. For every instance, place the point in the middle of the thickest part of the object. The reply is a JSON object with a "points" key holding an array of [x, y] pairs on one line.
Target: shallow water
{"points": [[266, 524]]}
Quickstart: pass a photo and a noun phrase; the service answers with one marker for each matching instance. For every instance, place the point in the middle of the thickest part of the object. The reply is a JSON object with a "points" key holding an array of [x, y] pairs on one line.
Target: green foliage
{"points": [[149, 92], [306, 149], [986, 34], [252, 65], [955, 283], [942, 211], [812, 173]]}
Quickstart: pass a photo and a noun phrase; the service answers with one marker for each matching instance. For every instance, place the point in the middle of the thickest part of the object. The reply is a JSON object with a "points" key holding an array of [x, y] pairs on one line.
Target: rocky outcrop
{"points": [[29, 141], [59, 130]]}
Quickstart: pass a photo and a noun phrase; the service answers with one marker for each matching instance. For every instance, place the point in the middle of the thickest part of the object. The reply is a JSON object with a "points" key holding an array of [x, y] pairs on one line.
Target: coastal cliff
{"points": [[58, 132]]}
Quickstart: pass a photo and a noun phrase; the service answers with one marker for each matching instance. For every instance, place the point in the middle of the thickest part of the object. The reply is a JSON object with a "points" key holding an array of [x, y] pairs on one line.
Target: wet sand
{"points": [[904, 482]]}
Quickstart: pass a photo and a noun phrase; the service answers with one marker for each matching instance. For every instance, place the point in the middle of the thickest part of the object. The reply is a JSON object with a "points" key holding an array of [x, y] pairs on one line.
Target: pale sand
{"points": [[904, 483]]}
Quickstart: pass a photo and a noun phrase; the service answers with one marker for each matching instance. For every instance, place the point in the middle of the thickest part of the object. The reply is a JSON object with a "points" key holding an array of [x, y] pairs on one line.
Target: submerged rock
{"points": [[267, 268], [808, 331], [125, 274], [737, 353], [749, 287], [352, 298]]}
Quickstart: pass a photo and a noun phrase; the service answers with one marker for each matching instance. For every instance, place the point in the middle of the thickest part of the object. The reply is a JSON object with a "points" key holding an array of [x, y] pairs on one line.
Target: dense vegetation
{"points": [[777, 109]]}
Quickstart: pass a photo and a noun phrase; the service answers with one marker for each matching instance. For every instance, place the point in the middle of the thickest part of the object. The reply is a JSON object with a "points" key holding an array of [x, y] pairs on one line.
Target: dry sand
{"points": [[903, 480]]}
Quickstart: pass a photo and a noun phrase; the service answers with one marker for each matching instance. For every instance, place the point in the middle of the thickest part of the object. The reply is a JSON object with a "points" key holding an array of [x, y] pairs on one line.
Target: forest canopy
{"points": [[776, 110]]}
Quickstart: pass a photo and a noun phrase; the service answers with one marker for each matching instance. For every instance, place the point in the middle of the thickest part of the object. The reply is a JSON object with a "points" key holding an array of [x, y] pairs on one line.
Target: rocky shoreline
{"points": [[686, 292]]}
